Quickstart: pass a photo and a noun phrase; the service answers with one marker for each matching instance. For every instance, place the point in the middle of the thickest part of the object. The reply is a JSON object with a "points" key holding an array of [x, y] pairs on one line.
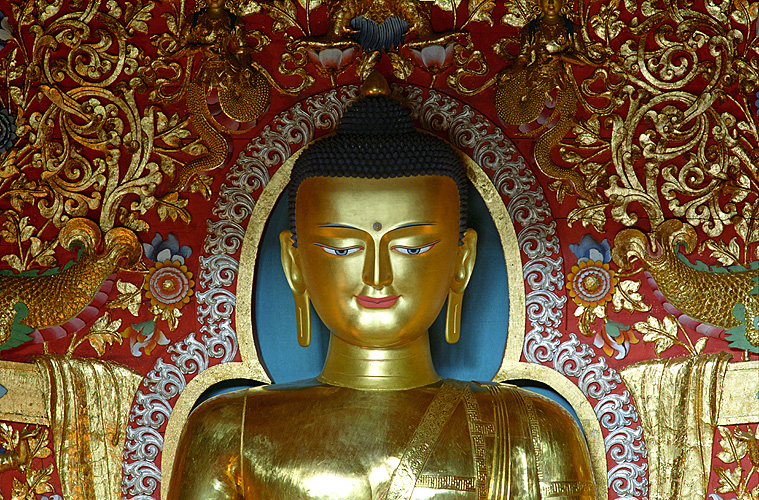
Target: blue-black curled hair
{"points": [[376, 139]]}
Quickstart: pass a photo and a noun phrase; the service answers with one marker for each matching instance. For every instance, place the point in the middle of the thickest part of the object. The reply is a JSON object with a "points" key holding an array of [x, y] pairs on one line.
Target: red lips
{"points": [[377, 303]]}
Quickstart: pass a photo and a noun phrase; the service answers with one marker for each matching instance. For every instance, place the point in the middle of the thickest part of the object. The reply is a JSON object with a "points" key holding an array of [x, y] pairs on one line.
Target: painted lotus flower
{"points": [[145, 336], [590, 249], [168, 285], [160, 250], [591, 282], [615, 339], [331, 62], [332, 59]]}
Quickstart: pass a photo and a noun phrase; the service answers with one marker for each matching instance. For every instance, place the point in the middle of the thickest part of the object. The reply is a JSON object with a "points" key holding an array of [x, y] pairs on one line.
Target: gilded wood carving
{"points": [[138, 137]]}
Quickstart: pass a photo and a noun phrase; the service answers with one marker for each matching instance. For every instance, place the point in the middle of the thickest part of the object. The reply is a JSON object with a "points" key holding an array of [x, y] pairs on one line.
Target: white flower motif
{"points": [[332, 58], [6, 30], [434, 57]]}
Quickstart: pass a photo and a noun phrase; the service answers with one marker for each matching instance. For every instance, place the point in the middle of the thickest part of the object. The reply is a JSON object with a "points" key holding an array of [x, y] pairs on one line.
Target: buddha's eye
{"points": [[414, 250], [340, 252]]}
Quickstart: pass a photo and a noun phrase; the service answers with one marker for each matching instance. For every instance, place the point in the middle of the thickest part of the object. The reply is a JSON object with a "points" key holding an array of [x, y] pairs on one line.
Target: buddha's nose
{"points": [[377, 270]]}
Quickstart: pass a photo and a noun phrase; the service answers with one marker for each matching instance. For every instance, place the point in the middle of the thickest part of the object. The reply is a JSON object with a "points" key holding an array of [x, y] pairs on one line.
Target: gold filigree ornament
{"points": [[740, 453], [665, 138], [89, 146], [22, 449], [665, 334], [208, 56], [414, 16], [654, 134], [359, 32], [549, 46]]}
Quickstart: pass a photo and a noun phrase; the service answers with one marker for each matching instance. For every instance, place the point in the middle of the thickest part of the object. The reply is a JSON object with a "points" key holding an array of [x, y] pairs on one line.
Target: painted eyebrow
{"points": [[414, 224], [345, 226]]}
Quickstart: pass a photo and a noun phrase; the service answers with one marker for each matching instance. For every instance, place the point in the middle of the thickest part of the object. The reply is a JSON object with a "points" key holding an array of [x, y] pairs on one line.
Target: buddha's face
{"points": [[377, 257], [551, 7]]}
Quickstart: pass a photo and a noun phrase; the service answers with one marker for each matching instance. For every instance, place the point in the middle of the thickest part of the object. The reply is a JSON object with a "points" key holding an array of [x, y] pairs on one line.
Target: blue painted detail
{"points": [[160, 250], [590, 249], [372, 36], [3, 390], [7, 128]]}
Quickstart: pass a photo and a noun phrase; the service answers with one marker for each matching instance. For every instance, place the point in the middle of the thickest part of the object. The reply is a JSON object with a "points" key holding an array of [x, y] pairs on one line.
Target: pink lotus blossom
{"points": [[333, 59]]}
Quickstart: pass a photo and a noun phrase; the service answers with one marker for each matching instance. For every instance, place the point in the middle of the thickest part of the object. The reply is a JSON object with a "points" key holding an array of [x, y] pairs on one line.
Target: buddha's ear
{"points": [[290, 263], [464, 261], [461, 274], [291, 266]]}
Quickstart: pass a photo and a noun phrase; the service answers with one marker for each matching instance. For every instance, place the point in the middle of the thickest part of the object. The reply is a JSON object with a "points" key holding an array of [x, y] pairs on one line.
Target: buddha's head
{"points": [[551, 8], [378, 236]]}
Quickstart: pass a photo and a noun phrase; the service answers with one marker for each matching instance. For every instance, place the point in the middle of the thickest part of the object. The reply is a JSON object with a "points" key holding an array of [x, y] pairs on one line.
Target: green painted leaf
{"points": [[737, 334], [613, 328], [19, 332], [145, 327]]}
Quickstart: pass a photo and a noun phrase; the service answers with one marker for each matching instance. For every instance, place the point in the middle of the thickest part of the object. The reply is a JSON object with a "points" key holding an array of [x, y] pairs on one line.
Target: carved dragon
{"points": [[54, 298], [212, 37], [707, 296], [544, 64]]}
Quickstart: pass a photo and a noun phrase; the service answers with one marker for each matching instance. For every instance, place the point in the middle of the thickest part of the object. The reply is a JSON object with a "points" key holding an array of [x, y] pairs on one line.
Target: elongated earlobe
{"points": [[303, 318], [453, 317], [294, 277], [461, 275]]}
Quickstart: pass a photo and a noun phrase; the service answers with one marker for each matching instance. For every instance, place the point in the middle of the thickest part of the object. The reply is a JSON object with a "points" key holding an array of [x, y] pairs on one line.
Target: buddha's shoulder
{"points": [[228, 409], [543, 416], [222, 411], [541, 433], [509, 393]]}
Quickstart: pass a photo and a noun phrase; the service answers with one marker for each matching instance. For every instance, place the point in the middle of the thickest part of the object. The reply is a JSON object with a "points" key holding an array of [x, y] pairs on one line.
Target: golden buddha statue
{"points": [[378, 244]]}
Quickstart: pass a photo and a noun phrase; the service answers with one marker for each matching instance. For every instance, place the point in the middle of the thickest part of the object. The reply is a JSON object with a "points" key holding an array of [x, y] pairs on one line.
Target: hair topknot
{"points": [[376, 139]]}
